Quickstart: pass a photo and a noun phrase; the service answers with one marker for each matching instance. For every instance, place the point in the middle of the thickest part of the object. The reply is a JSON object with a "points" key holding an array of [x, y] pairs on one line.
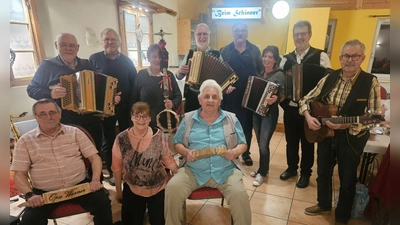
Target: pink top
{"points": [[142, 161], [53, 162]]}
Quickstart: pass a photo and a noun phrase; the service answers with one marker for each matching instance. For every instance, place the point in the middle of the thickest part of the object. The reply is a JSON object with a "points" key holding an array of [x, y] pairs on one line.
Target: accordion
{"points": [[204, 66], [256, 93], [302, 78], [89, 92]]}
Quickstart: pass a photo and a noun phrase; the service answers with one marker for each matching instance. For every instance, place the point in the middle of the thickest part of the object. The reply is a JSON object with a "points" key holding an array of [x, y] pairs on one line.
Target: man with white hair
{"points": [[202, 34], [45, 83], [111, 62]]}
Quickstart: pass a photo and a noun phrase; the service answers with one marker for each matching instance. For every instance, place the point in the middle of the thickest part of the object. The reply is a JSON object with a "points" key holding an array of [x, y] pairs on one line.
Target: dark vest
{"points": [[355, 104], [313, 56]]}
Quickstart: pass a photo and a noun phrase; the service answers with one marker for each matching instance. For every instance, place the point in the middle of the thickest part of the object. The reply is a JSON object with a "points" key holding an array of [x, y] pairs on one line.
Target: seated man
{"points": [[53, 155], [202, 133]]}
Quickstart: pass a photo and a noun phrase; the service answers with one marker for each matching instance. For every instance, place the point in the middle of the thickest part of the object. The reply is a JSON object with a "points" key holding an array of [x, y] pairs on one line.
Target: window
{"points": [[136, 36], [24, 41]]}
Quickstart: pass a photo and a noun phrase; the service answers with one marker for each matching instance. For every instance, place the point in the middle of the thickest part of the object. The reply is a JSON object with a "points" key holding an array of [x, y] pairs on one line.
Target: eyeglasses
{"points": [[138, 117], [302, 34], [64, 45], [353, 57], [243, 31], [110, 39], [202, 33], [44, 115]]}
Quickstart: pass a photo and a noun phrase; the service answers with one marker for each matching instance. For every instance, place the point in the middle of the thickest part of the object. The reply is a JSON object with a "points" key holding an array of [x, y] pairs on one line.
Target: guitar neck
{"points": [[341, 120]]}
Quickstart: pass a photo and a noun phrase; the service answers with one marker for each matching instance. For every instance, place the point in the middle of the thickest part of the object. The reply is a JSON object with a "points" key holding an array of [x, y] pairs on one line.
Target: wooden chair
{"points": [[204, 193]]}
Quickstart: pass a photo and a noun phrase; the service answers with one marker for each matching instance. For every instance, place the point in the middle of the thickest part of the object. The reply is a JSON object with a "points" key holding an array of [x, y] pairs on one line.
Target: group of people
{"points": [[145, 173]]}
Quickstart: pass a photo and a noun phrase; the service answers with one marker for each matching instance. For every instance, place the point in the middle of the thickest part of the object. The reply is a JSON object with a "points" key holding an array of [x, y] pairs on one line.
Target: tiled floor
{"points": [[275, 202]]}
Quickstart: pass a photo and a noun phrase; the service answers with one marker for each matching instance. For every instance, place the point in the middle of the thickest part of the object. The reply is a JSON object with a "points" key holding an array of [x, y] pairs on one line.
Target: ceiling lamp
{"points": [[280, 9]]}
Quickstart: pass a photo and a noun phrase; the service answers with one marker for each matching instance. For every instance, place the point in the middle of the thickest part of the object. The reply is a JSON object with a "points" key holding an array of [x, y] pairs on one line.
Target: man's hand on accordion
{"points": [[58, 92], [271, 100], [230, 89], [117, 98]]}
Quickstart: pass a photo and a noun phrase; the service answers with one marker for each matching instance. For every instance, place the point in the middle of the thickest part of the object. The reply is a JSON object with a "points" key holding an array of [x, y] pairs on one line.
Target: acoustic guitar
{"points": [[325, 112]]}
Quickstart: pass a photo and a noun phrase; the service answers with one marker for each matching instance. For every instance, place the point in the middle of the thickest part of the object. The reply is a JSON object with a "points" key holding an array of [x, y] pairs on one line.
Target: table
{"points": [[372, 148], [15, 211]]}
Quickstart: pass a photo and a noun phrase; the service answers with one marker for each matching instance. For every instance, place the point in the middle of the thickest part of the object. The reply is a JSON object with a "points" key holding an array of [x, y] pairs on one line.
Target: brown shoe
{"points": [[316, 210]]}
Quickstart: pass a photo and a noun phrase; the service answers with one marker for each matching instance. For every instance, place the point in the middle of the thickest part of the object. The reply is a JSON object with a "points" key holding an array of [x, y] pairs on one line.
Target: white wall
{"points": [[75, 16]]}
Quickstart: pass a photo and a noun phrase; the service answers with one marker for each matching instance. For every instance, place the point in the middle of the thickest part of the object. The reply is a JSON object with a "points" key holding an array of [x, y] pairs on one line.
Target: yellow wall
{"points": [[354, 24], [351, 24], [318, 18]]}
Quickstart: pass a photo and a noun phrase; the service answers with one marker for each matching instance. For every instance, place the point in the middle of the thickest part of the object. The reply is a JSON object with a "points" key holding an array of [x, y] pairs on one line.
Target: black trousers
{"points": [[122, 116], [134, 207], [294, 132], [97, 203]]}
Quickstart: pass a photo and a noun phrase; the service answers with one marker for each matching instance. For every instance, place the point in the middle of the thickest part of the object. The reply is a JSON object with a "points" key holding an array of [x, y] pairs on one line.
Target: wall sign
{"points": [[236, 13]]}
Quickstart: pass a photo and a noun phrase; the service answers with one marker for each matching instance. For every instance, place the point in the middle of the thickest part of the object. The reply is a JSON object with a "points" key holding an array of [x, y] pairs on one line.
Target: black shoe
{"points": [[247, 160], [288, 174], [303, 182], [111, 181]]}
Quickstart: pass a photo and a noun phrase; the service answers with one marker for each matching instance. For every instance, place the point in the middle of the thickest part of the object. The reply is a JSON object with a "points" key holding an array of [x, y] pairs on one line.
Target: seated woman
{"points": [[140, 156], [264, 126], [209, 129], [149, 86]]}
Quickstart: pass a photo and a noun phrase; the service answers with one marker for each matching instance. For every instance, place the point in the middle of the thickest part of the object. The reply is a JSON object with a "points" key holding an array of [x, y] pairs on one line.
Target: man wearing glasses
{"points": [[202, 36], [352, 91], [293, 122], [52, 155], [111, 62], [245, 59]]}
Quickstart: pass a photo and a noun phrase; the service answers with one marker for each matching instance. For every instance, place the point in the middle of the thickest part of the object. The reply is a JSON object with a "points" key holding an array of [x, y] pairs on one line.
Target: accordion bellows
{"points": [[256, 93], [204, 66], [89, 92]]}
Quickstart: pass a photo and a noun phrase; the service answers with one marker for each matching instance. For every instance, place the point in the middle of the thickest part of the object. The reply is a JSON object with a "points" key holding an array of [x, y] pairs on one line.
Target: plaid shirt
{"points": [[338, 95]]}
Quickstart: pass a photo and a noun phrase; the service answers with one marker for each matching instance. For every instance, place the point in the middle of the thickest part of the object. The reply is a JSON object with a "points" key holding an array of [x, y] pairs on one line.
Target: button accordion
{"points": [[302, 78], [89, 92], [204, 66], [256, 93]]}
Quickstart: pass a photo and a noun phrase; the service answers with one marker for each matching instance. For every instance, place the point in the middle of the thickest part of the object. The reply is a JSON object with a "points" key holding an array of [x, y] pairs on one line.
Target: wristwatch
{"points": [[28, 195]]}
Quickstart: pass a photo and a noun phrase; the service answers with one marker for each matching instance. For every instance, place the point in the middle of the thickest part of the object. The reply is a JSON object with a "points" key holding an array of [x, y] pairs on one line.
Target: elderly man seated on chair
{"points": [[53, 156], [210, 140]]}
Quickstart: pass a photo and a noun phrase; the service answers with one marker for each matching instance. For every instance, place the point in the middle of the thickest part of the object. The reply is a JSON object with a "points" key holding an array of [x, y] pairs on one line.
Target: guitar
{"points": [[325, 112]]}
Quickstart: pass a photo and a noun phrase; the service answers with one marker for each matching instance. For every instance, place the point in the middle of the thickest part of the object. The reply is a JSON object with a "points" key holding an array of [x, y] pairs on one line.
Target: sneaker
{"points": [[258, 180], [111, 181], [253, 174], [316, 210], [247, 160]]}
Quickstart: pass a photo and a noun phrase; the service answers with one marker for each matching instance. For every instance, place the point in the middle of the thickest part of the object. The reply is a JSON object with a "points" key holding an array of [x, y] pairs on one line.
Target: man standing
{"points": [[53, 154], [202, 34], [245, 59], [352, 91], [293, 122], [45, 84], [111, 62]]}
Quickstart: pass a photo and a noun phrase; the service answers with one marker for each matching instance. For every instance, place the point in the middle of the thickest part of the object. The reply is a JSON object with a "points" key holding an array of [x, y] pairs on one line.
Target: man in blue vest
{"points": [[294, 123]]}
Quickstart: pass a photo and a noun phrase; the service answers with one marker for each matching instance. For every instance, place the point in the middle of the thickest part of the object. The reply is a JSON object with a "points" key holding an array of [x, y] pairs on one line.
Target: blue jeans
{"points": [[332, 151], [264, 127]]}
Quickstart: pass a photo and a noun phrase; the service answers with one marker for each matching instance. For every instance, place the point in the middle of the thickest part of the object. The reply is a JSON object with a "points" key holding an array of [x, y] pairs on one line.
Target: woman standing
{"points": [[264, 126], [140, 156], [149, 86]]}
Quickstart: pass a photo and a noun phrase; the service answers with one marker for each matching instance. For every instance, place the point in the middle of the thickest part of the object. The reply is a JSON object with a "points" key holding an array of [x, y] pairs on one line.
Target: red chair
{"points": [[383, 93], [68, 209], [204, 193]]}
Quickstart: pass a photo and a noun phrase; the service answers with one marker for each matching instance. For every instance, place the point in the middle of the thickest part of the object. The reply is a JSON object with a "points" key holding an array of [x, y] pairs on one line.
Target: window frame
{"points": [[123, 33], [36, 39]]}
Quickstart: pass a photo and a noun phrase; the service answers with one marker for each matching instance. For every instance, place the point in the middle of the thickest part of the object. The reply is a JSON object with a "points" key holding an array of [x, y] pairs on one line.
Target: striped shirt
{"points": [[53, 162], [339, 93]]}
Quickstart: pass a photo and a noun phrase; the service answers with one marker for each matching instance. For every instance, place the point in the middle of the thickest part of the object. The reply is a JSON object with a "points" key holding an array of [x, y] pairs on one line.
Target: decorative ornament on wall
{"points": [[91, 39], [139, 33]]}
